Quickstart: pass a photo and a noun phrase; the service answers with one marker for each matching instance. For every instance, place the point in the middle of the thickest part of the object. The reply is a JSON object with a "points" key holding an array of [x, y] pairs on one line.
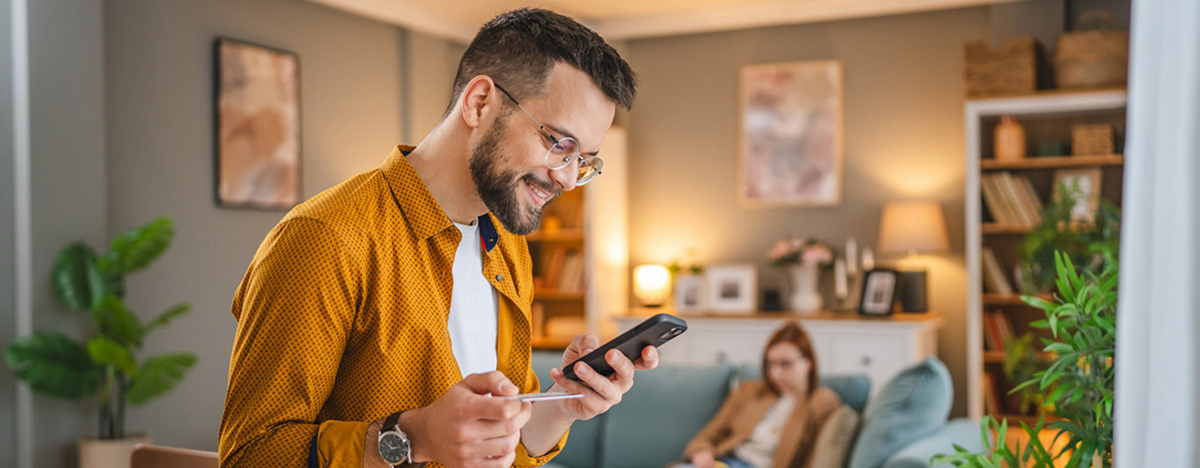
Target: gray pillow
{"points": [[912, 406]]}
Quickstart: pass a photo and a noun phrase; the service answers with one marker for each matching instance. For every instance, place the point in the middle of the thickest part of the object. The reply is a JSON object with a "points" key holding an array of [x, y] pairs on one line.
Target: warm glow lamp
{"points": [[912, 228], [651, 284]]}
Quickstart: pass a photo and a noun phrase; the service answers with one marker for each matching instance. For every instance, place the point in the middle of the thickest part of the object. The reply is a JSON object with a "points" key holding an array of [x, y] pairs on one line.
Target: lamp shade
{"points": [[909, 227], [651, 284]]}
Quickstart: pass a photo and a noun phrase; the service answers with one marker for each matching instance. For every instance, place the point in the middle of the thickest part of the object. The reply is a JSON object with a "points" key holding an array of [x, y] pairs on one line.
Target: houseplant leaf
{"points": [[77, 279], [108, 352], [136, 248], [53, 364], [178, 310], [159, 375], [117, 322]]}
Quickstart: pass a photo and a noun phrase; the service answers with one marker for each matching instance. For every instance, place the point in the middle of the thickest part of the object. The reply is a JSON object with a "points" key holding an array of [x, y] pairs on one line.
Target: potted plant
{"points": [[1082, 320], [1089, 244], [803, 257], [105, 365]]}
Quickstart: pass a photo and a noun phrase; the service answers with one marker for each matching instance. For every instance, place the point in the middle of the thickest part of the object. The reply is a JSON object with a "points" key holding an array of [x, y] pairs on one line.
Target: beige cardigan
{"points": [[748, 405]]}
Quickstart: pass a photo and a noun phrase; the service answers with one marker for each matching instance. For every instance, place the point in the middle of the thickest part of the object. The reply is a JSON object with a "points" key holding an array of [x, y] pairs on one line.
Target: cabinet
{"points": [[581, 255], [1046, 117], [844, 343]]}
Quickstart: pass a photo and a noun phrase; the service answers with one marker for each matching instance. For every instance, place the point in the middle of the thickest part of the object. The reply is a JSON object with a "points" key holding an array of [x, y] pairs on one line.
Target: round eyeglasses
{"points": [[564, 151]]}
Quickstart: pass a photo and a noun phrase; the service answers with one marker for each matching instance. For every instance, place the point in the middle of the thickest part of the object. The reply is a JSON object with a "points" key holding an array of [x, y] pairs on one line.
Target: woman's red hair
{"points": [[791, 332]]}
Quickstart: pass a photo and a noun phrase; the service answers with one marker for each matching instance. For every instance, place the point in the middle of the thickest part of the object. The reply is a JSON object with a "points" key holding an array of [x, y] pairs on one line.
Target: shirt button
{"points": [[499, 277]]}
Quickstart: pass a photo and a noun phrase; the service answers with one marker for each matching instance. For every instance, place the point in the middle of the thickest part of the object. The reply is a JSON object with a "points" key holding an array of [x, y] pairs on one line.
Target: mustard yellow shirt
{"points": [[342, 320]]}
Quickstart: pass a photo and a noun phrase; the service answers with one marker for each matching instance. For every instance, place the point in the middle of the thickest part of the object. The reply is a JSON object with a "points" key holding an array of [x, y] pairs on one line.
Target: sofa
{"points": [[902, 426]]}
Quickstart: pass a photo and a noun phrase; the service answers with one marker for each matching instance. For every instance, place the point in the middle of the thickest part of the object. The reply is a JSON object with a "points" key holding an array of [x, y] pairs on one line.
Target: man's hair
{"points": [[519, 48]]}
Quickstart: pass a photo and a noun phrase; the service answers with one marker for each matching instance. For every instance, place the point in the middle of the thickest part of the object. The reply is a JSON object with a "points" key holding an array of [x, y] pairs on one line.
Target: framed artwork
{"points": [[879, 292], [689, 294], [257, 126], [731, 288], [1085, 185], [790, 136]]}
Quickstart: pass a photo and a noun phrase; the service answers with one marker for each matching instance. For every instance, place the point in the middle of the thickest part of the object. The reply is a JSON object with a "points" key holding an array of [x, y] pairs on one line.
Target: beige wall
{"points": [[903, 140]]}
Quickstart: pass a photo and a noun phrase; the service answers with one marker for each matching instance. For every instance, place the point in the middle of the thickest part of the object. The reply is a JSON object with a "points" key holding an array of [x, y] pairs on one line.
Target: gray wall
{"points": [[160, 92], [8, 395], [903, 98]]}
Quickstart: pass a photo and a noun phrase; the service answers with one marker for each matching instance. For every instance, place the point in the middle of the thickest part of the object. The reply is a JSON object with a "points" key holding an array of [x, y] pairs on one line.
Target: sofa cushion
{"points": [[833, 443], [582, 449], [912, 406], [853, 389], [963, 432], [665, 408]]}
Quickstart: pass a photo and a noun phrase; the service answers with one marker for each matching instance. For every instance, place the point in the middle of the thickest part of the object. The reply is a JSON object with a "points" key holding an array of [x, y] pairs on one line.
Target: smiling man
{"points": [[380, 320]]}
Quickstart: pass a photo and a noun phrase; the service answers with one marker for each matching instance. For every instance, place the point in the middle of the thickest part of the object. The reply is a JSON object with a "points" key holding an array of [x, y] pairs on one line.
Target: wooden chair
{"points": [[157, 456]]}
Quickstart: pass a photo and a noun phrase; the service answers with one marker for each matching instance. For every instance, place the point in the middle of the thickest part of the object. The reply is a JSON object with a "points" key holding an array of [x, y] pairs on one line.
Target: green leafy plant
{"points": [[1021, 363], [1091, 245], [1079, 382], [105, 366]]}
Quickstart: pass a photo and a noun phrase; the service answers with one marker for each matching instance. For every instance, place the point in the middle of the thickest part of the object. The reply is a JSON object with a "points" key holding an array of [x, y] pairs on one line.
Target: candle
{"points": [[868, 259], [851, 256], [839, 279]]}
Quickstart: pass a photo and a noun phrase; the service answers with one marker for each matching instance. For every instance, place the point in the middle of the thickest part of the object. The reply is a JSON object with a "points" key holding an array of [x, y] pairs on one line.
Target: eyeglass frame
{"points": [[578, 158]]}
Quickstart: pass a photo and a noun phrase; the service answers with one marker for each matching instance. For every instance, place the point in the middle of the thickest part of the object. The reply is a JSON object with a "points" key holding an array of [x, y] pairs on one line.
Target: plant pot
{"points": [[805, 298], [109, 453]]}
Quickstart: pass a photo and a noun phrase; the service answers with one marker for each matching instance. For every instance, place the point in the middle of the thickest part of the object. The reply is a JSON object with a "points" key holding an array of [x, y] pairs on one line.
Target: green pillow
{"points": [[912, 406]]}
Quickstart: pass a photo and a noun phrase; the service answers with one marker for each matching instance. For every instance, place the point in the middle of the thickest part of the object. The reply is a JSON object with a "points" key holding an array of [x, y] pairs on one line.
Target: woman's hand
{"points": [[704, 459]]}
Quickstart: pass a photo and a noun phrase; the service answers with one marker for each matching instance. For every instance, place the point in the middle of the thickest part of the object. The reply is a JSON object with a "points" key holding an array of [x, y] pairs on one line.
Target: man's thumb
{"points": [[493, 382]]}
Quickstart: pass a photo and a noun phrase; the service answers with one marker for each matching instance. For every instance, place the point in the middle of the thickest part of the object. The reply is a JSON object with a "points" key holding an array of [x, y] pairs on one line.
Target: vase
{"points": [[109, 453], [805, 298], [1009, 139]]}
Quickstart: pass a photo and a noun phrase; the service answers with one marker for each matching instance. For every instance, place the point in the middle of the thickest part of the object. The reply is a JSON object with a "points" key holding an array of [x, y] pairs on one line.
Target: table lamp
{"points": [[912, 228], [651, 284]]}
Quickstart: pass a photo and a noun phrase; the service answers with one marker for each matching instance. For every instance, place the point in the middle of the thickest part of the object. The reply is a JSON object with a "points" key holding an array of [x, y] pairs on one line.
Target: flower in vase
{"points": [[805, 252]]}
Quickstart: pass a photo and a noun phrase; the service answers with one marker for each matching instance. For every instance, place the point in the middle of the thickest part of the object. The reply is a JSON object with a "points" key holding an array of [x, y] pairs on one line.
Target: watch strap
{"points": [[392, 423]]}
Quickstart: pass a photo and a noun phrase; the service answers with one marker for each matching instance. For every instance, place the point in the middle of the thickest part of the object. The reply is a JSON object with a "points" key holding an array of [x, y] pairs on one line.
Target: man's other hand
{"points": [[467, 428]]}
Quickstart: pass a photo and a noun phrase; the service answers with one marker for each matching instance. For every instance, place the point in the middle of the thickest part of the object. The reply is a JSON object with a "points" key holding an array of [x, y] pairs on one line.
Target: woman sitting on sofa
{"points": [[769, 423]]}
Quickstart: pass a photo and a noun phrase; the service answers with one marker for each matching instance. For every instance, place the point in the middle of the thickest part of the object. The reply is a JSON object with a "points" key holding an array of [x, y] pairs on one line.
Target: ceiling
{"points": [[629, 19]]}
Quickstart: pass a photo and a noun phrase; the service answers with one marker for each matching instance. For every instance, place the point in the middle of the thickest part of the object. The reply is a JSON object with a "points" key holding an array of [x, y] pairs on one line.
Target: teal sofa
{"points": [[902, 427]]}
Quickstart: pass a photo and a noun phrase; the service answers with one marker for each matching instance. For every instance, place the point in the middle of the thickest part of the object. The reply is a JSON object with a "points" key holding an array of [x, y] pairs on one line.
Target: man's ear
{"points": [[475, 104]]}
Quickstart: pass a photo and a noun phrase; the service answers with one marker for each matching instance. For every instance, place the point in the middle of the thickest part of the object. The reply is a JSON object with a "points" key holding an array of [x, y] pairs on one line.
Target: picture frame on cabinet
{"points": [[731, 288], [1085, 183], [879, 292], [689, 294]]}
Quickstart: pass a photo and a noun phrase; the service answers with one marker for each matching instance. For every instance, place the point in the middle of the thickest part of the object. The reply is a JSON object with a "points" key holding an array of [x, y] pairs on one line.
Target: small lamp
{"points": [[651, 284], [911, 228]]}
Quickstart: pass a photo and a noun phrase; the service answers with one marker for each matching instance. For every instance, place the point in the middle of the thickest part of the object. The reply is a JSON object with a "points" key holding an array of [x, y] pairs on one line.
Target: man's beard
{"points": [[498, 188]]}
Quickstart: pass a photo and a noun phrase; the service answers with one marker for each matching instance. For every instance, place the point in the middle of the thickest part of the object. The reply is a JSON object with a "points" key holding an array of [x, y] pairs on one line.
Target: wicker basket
{"points": [[1011, 70], [1094, 58], [1094, 139]]}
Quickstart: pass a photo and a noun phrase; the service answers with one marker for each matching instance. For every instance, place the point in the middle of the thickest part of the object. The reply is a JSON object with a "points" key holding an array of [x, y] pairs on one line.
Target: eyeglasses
{"points": [[564, 151]]}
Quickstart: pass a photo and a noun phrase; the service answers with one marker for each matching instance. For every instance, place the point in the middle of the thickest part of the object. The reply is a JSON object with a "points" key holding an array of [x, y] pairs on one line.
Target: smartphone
{"points": [[654, 331]]}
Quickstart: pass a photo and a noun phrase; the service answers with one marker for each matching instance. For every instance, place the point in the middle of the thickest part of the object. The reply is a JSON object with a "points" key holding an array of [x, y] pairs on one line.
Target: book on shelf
{"points": [[994, 278], [572, 270], [1008, 185], [995, 200], [997, 330], [1029, 197], [556, 265], [991, 395]]}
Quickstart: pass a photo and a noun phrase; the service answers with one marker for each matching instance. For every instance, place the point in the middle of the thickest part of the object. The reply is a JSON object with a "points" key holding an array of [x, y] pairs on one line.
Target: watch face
{"points": [[393, 448]]}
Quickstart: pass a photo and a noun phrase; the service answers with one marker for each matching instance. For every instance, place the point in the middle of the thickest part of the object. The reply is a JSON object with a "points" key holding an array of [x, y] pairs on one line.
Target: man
{"points": [[380, 320]]}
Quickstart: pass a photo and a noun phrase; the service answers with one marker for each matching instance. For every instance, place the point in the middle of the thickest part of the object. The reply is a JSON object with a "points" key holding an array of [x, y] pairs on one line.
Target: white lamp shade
{"points": [[651, 284], [913, 227]]}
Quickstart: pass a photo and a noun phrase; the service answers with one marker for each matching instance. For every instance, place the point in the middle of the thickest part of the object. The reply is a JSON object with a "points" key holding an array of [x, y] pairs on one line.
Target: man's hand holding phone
{"points": [[599, 392]]}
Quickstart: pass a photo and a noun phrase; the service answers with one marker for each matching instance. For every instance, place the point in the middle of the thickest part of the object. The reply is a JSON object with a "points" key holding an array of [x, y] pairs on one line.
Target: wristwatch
{"points": [[394, 446]]}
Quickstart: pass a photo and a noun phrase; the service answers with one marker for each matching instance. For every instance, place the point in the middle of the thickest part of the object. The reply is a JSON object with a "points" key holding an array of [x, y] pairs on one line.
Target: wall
{"points": [[903, 140], [8, 387], [160, 93]]}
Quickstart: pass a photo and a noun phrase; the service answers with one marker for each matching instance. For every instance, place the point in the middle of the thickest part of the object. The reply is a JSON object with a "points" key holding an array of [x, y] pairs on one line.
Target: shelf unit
{"points": [[1045, 116], [593, 223]]}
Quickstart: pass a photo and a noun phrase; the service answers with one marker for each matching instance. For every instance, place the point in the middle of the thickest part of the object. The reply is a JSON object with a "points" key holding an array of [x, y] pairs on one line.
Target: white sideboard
{"points": [[844, 343]]}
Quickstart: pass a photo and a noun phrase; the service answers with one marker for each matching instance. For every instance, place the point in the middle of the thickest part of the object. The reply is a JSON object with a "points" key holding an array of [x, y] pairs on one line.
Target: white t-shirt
{"points": [[759, 449], [473, 307]]}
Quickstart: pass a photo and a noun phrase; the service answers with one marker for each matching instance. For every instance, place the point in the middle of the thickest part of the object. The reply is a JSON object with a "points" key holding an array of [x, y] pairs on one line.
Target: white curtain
{"points": [[1157, 420]]}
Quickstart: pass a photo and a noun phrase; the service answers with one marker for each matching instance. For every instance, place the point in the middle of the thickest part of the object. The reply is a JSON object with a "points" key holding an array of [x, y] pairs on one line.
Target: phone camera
{"points": [[673, 332]]}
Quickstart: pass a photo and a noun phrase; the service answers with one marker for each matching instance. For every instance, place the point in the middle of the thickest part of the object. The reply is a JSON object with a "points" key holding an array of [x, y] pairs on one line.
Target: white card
{"points": [[548, 396]]}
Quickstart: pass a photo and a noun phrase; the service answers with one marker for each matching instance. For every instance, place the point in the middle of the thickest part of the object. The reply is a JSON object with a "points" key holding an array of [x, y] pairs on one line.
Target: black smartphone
{"points": [[654, 331]]}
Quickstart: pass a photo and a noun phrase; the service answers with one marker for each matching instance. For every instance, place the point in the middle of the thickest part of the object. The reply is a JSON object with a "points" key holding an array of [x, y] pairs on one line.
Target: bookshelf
{"points": [[580, 257], [997, 222]]}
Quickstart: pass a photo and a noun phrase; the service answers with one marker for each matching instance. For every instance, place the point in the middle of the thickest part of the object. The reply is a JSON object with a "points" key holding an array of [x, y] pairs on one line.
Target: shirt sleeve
{"points": [[294, 309]]}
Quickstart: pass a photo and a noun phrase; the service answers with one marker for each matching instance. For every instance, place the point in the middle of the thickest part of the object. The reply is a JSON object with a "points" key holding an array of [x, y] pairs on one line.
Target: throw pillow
{"points": [[910, 407], [833, 443]]}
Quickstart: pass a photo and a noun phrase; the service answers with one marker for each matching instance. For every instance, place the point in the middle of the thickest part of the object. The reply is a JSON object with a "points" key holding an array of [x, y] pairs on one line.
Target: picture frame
{"points": [[257, 126], [689, 294], [879, 292], [1088, 181], [790, 134], [731, 288]]}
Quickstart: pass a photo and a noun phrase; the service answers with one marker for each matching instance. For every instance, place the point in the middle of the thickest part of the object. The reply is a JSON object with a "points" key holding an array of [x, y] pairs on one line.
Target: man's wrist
{"points": [[412, 423]]}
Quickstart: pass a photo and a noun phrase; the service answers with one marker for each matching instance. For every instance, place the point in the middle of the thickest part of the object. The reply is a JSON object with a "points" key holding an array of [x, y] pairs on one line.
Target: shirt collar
{"points": [[425, 217]]}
